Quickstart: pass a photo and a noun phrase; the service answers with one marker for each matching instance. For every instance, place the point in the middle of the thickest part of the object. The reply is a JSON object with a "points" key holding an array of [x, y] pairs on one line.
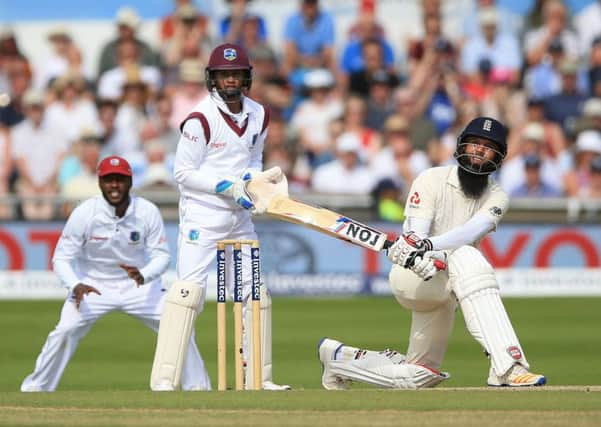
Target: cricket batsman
{"points": [[448, 212], [110, 256], [219, 151]]}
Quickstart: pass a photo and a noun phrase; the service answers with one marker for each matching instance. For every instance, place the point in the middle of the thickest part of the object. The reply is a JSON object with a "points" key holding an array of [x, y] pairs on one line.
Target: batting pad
{"points": [[266, 370], [175, 329]]}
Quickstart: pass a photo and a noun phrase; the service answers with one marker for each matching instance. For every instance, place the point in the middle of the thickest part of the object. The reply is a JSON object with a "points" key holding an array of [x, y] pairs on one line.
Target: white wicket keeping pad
{"points": [[175, 329]]}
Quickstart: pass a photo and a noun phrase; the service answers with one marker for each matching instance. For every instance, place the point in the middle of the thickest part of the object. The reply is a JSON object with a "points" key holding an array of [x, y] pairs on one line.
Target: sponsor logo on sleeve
{"points": [[496, 211], [190, 137], [414, 200]]}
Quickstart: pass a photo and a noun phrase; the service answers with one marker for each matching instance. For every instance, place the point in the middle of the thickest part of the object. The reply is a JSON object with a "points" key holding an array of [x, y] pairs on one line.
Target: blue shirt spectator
{"points": [[310, 38], [352, 56]]}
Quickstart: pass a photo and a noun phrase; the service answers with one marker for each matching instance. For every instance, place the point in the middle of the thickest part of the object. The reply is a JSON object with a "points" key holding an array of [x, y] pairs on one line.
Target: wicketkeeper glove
{"points": [[407, 248], [236, 189]]}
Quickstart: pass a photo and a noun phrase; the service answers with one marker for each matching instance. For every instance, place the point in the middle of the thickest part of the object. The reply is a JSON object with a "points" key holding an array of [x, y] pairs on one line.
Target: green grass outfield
{"points": [[105, 384]]}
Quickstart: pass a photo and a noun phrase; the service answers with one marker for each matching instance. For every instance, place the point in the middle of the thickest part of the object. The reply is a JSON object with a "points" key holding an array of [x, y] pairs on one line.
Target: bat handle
{"points": [[387, 244], [439, 264]]}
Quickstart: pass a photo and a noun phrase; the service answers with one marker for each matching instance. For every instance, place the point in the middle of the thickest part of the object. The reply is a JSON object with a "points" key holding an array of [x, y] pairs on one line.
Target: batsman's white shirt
{"points": [[95, 241], [215, 144], [436, 196]]}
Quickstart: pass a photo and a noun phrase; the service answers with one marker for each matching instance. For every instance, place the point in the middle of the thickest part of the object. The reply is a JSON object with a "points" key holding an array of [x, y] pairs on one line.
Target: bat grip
{"points": [[387, 244], [440, 265]]}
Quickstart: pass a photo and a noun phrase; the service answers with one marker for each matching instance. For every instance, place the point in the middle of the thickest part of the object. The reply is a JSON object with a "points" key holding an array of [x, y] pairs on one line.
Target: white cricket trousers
{"points": [[144, 303]]}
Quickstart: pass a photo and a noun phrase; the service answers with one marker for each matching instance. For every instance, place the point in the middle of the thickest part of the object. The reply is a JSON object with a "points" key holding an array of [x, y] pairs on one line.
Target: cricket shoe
{"points": [[271, 386], [326, 351], [517, 376]]}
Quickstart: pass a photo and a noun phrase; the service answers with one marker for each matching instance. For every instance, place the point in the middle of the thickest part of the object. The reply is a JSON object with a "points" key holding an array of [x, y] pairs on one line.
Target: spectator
{"points": [[112, 81], [71, 111], [127, 21], [534, 185], [508, 22], [587, 24], [19, 78], [380, 101], [6, 209], [131, 115], [501, 49], [64, 58], [308, 42], [37, 165], [587, 148], [345, 174], [116, 139], [372, 61], [189, 91], [552, 171], [537, 41], [158, 170], [312, 118], [189, 41], [594, 70], [354, 122], [593, 189], [157, 125], [566, 106], [387, 201], [421, 129], [353, 53], [398, 160], [504, 101], [232, 27], [554, 138], [423, 48], [82, 182], [168, 23]]}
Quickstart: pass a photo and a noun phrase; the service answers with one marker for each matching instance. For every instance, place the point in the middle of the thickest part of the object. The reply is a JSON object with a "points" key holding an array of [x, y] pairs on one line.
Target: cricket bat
{"points": [[272, 197]]}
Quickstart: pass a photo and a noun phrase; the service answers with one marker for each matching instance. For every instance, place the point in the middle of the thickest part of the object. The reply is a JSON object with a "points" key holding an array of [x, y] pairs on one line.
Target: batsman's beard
{"points": [[472, 185]]}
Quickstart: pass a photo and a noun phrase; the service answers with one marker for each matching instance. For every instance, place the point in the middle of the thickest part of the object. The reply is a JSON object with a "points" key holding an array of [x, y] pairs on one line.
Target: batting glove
{"points": [[407, 248], [236, 189], [426, 266]]}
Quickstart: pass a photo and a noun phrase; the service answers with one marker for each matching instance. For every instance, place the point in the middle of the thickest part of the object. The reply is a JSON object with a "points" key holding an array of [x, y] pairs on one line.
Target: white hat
{"points": [[59, 30], [348, 142], [33, 97], [592, 107], [488, 16], [319, 78], [128, 16], [534, 131], [589, 140]]}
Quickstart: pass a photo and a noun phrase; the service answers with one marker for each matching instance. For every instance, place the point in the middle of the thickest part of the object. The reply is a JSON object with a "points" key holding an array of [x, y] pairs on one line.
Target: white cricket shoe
{"points": [[271, 386], [326, 351], [516, 376], [31, 389]]}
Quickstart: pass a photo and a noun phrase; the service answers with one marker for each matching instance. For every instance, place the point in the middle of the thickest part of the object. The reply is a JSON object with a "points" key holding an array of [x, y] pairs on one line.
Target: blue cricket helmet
{"points": [[487, 128]]}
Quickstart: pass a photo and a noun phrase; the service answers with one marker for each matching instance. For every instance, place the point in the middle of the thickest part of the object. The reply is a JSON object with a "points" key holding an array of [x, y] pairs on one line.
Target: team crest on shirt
{"points": [[193, 235], [230, 54], [134, 236], [496, 211]]}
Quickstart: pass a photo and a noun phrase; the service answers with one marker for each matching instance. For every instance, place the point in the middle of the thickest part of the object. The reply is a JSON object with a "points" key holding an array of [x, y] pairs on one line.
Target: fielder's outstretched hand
{"points": [[80, 290], [133, 273]]}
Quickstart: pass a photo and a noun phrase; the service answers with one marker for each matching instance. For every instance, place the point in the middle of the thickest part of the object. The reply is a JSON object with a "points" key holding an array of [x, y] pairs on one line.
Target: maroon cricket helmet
{"points": [[228, 56]]}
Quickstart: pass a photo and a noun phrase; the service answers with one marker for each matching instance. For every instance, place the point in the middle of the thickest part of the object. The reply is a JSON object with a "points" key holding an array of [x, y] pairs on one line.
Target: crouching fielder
{"points": [[456, 206], [111, 255]]}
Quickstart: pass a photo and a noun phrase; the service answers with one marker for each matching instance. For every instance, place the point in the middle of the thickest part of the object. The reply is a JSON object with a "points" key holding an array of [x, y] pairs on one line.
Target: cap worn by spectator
{"points": [[592, 107], [488, 16], [348, 142], [396, 124], [128, 17], [532, 161], [596, 165], [187, 12], [568, 67], [261, 53], [534, 132], [114, 164], [6, 33], [33, 97], [589, 140], [90, 135], [190, 71], [320, 78], [59, 32]]}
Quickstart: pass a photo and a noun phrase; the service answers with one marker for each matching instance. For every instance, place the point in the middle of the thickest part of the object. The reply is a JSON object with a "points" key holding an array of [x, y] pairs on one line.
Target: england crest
{"points": [[230, 54]]}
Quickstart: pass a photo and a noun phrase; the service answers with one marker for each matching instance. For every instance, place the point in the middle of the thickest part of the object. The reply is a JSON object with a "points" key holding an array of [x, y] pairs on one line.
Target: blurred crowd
{"points": [[364, 118]]}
